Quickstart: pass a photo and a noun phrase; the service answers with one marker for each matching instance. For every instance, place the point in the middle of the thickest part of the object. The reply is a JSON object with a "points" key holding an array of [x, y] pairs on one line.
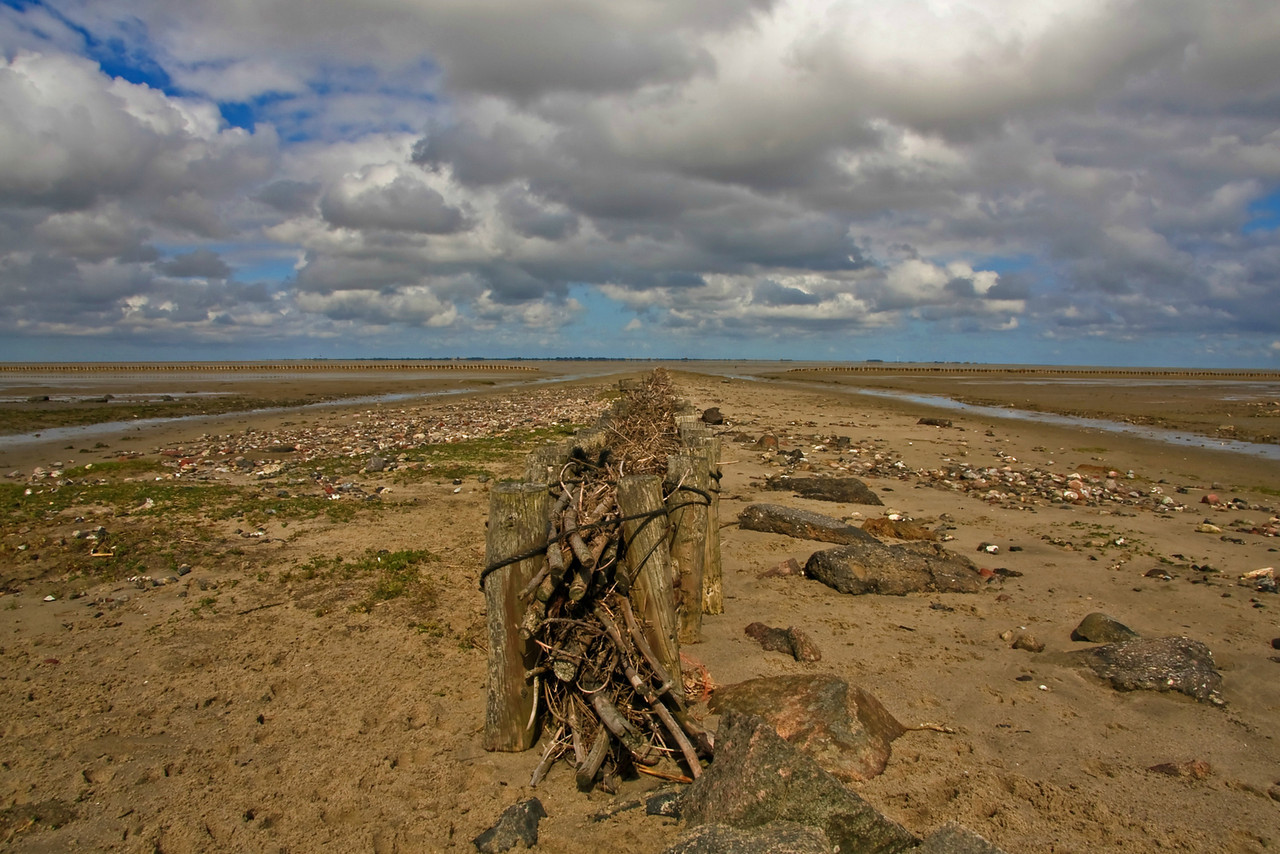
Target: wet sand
{"points": [[242, 709]]}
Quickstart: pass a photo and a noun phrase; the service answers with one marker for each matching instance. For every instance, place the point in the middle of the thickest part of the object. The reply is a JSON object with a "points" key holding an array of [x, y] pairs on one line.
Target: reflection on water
{"points": [[1172, 437]]}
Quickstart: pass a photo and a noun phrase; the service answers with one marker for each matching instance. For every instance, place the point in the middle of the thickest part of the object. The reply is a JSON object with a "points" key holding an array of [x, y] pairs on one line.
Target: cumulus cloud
{"points": [[387, 197], [735, 168]]}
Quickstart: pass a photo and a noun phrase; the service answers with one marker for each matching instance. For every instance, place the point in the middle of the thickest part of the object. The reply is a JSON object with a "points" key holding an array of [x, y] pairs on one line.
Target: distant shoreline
{"points": [[783, 367]]}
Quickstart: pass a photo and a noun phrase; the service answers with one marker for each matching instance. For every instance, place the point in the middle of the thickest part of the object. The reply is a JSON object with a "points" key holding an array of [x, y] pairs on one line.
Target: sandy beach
{"points": [[202, 672]]}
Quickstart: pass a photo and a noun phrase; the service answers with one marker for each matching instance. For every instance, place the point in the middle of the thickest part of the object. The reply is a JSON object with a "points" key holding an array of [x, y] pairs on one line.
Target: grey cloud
{"points": [[95, 235], [533, 220], [290, 197], [772, 293], [402, 205], [201, 263]]}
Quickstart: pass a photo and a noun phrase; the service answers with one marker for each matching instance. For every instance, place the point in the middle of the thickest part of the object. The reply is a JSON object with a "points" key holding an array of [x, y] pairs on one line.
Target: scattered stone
{"points": [[802, 524], [767, 442], [954, 839], [776, 837], [1027, 641], [1158, 664], [518, 824], [847, 490], [898, 529], [842, 727], [666, 803], [894, 570], [759, 778], [1100, 628], [788, 568], [712, 416], [1191, 769], [791, 641], [375, 464], [935, 422]]}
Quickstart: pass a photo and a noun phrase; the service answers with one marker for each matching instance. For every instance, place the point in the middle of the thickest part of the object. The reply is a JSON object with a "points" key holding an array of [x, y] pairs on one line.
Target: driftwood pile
{"points": [[598, 566]]}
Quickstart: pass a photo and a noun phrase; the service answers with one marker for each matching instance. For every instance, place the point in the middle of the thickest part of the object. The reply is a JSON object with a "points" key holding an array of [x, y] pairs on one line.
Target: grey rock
{"points": [[848, 490], [375, 464], [842, 727], [1158, 664], [802, 524], [954, 839], [894, 570], [791, 640], [1101, 628], [758, 778], [518, 824], [778, 837]]}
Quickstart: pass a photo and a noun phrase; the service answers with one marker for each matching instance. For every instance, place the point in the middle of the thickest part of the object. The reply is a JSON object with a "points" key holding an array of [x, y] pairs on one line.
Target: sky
{"points": [[1031, 181]]}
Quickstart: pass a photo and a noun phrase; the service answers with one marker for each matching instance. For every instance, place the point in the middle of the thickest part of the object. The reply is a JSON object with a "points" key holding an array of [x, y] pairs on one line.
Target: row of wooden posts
{"points": [[671, 536]]}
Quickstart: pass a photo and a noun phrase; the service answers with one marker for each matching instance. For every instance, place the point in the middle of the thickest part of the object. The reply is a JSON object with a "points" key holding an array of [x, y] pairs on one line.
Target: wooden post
{"points": [[712, 572], [688, 537], [649, 567], [544, 462], [517, 525]]}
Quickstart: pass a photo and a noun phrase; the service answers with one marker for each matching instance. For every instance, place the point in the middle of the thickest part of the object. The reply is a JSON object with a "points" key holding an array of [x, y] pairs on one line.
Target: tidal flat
{"points": [[262, 629]]}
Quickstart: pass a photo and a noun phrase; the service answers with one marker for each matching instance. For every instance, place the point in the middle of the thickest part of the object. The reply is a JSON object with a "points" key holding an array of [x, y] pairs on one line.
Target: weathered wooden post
{"points": [[694, 434], [712, 574], [689, 485], [648, 565], [543, 463], [517, 525]]}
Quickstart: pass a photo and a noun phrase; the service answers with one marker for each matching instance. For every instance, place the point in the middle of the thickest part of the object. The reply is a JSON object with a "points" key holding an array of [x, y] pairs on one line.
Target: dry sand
{"points": [[277, 719]]}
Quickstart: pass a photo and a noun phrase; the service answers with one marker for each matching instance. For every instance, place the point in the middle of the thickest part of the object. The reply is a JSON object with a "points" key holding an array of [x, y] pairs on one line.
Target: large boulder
{"points": [[894, 569], [802, 524], [776, 837], [848, 490], [842, 727], [758, 778], [954, 839]]}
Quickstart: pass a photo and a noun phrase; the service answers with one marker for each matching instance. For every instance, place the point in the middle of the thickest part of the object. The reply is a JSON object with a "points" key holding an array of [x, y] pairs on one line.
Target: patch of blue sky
{"points": [[127, 54], [349, 102], [1005, 263], [1264, 213]]}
